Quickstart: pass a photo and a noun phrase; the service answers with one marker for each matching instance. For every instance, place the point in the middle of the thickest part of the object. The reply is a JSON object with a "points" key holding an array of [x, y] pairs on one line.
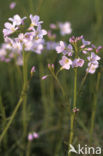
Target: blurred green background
{"points": [[47, 112]]}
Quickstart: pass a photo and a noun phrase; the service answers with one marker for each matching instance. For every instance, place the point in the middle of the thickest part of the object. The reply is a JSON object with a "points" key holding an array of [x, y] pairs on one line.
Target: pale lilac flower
{"points": [[9, 29], [65, 62], [35, 21], [69, 50], [17, 20], [17, 47], [92, 68], [44, 77], [37, 47], [28, 45], [61, 47], [85, 43], [12, 5], [93, 58], [40, 32], [65, 28], [30, 137], [99, 48], [77, 63]]}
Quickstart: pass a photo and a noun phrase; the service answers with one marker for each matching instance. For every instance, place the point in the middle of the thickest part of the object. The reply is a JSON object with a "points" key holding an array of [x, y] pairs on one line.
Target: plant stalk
{"points": [[73, 114]]}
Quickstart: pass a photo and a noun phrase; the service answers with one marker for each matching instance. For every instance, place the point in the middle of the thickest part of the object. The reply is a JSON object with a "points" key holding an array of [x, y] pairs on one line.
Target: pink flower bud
{"points": [[30, 137], [35, 135], [32, 70], [44, 77], [48, 65]]}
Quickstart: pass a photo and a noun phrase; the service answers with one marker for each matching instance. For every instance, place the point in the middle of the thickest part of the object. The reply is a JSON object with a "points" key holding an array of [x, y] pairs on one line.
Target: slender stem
{"points": [[73, 114], [28, 148], [83, 81], [94, 106], [25, 97], [55, 77], [14, 113], [75, 88]]}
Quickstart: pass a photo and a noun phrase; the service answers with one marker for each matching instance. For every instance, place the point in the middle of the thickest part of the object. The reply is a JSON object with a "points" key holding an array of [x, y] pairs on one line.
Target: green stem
{"points": [[28, 148], [55, 77], [83, 81], [73, 114], [25, 97], [94, 106], [14, 113]]}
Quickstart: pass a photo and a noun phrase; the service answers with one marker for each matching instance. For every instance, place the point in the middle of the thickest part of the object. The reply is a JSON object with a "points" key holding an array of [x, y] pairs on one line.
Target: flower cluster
{"points": [[30, 40], [78, 52]]}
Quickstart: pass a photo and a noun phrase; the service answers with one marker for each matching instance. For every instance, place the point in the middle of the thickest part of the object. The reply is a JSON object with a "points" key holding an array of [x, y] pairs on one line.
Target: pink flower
{"points": [[91, 68], [93, 58], [35, 21], [77, 63], [12, 5], [85, 42], [35, 135], [65, 28], [65, 62], [30, 137], [98, 49], [61, 47], [69, 50], [9, 29], [17, 20], [40, 32]]}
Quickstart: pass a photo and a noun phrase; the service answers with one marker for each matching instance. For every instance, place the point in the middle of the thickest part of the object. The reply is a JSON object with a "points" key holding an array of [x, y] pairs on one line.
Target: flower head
{"points": [[35, 21], [93, 58], [17, 20], [61, 47], [65, 62], [9, 29], [65, 28], [92, 68], [77, 63]]}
